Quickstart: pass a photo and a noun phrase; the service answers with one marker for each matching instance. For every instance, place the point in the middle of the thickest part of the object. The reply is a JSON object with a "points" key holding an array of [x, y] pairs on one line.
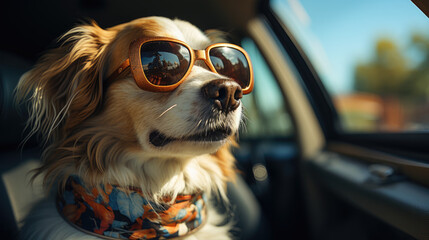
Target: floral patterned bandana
{"points": [[124, 213]]}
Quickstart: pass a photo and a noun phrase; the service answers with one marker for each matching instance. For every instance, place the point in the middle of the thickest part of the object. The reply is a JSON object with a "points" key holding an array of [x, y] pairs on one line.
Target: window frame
{"points": [[273, 138], [408, 144]]}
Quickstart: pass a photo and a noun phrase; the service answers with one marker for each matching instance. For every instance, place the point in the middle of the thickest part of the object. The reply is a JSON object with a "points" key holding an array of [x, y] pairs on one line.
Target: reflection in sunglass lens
{"points": [[232, 63], [164, 63]]}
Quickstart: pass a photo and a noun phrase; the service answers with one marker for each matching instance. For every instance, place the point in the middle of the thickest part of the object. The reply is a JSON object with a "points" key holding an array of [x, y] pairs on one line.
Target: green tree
{"points": [[418, 79], [389, 73]]}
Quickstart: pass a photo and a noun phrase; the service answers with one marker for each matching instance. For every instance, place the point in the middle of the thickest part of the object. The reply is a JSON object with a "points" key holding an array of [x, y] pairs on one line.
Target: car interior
{"points": [[317, 159]]}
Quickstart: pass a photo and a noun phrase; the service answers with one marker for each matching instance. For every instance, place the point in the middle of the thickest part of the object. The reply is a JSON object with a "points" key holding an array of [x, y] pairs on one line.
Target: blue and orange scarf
{"points": [[121, 213]]}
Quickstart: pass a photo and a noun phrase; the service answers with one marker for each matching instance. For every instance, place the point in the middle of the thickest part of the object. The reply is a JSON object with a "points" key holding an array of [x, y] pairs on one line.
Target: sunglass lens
{"points": [[232, 63], [164, 63]]}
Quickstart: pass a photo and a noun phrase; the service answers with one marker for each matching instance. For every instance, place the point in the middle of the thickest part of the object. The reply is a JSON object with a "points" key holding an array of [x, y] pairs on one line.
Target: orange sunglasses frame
{"points": [[134, 61]]}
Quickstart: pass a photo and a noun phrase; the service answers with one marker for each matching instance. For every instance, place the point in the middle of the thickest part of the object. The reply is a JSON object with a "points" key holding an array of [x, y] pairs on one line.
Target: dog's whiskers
{"points": [[244, 120], [195, 128], [168, 109]]}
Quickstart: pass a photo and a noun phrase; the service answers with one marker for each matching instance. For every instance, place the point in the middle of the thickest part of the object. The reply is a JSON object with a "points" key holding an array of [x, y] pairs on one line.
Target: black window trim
{"points": [[324, 110], [407, 143]]}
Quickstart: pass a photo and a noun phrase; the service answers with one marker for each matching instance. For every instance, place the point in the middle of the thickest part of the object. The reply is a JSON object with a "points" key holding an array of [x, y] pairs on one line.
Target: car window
{"points": [[372, 57], [265, 113]]}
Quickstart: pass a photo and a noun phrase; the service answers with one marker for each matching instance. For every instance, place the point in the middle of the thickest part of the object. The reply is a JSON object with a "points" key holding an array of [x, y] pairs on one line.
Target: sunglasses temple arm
{"points": [[116, 73]]}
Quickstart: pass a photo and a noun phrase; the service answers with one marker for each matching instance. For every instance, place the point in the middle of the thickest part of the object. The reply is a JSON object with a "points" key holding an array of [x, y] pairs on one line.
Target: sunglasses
{"points": [[162, 64]]}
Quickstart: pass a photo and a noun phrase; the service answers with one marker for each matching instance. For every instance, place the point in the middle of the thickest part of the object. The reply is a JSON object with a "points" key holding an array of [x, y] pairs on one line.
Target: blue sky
{"points": [[336, 34]]}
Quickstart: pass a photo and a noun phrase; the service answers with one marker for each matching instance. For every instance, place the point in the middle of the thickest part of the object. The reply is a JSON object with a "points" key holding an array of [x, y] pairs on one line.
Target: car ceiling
{"points": [[31, 27]]}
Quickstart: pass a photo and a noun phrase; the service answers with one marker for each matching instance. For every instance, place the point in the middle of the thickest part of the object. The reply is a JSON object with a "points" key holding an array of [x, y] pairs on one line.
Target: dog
{"points": [[137, 121]]}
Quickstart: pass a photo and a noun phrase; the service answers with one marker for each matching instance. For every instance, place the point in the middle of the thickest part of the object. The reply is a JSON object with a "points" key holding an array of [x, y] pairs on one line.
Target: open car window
{"points": [[372, 57], [364, 67]]}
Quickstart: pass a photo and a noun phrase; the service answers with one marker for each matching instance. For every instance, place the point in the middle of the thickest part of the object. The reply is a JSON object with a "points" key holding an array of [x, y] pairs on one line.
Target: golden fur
{"points": [[66, 88]]}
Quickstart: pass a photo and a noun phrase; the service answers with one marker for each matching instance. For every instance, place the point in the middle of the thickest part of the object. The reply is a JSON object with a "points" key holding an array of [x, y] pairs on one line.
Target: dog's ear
{"points": [[65, 87]]}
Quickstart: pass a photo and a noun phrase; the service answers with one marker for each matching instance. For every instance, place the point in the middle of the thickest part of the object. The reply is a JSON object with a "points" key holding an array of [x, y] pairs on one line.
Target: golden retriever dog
{"points": [[137, 121]]}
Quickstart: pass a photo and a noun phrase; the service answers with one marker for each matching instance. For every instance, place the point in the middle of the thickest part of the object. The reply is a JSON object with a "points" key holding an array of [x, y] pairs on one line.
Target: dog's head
{"points": [[90, 125]]}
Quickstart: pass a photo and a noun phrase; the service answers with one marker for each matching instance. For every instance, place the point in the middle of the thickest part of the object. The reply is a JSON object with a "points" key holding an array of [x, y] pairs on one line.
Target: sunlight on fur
{"points": [[101, 134]]}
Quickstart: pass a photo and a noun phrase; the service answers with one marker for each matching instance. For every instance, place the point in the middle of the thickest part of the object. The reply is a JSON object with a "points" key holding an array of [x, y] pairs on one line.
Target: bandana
{"points": [[124, 213]]}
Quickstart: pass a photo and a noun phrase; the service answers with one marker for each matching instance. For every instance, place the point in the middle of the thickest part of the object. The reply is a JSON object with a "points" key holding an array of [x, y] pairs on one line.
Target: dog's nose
{"points": [[224, 93]]}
